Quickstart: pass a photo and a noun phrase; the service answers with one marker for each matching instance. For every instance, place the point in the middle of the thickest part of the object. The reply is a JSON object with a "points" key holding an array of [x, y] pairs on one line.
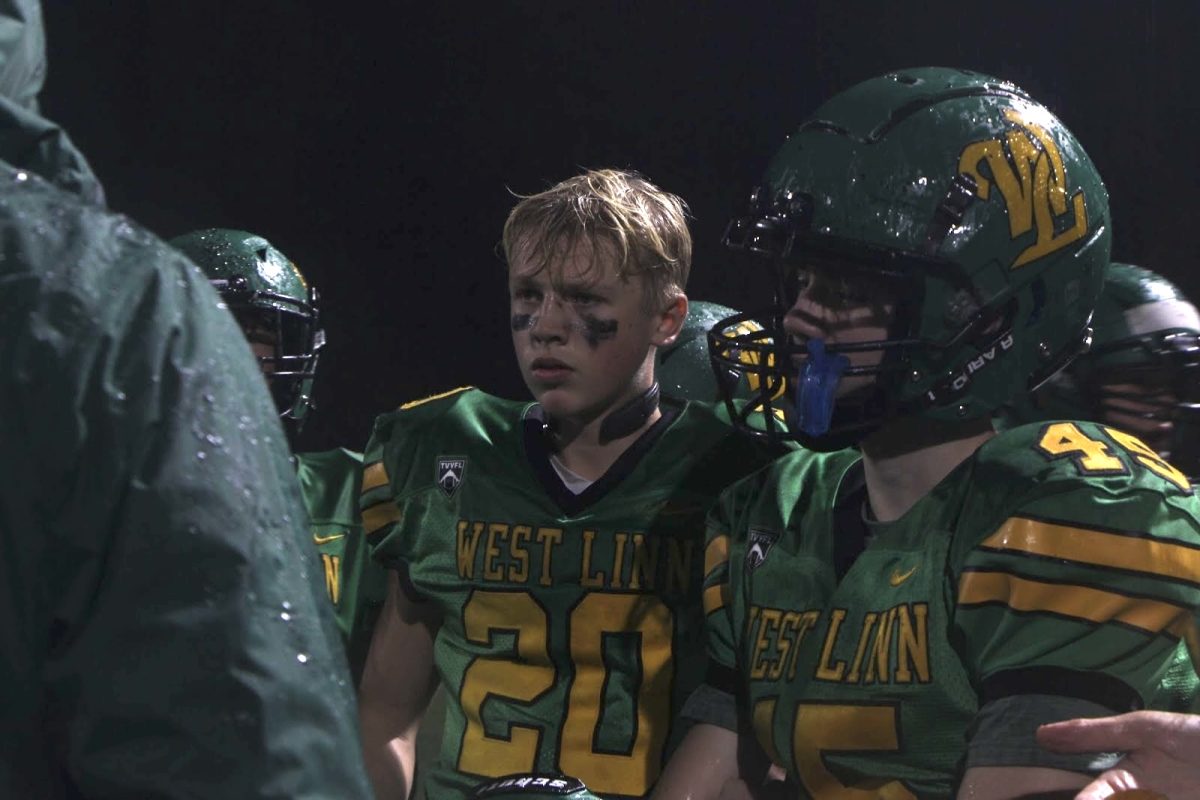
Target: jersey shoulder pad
{"points": [[446, 427], [1074, 477], [1074, 450], [1060, 456], [803, 483]]}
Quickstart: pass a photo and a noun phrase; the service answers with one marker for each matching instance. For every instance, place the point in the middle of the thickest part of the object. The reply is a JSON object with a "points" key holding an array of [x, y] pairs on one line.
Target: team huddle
{"points": [[866, 541], [890, 597]]}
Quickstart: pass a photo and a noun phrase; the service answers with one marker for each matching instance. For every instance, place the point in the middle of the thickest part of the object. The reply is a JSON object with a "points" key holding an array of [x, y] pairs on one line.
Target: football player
{"points": [[149, 543], [1142, 373], [547, 556], [896, 620], [279, 314]]}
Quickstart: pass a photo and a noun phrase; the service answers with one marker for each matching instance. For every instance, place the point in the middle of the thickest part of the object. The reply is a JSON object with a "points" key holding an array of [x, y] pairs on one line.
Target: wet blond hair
{"points": [[617, 210]]}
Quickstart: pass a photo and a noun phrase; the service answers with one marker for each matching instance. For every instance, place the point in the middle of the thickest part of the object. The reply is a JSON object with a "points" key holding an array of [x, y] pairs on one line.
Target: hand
{"points": [[1162, 752]]}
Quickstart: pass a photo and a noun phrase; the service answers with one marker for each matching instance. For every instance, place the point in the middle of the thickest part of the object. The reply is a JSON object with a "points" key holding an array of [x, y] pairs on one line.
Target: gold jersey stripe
{"points": [[1079, 602], [1086, 546], [374, 476], [716, 597], [716, 554], [432, 397], [379, 516]]}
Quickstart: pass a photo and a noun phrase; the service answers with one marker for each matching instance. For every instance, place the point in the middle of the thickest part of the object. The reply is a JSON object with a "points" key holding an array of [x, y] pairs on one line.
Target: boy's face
{"points": [[840, 311], [1138, 409], [582, 335]]}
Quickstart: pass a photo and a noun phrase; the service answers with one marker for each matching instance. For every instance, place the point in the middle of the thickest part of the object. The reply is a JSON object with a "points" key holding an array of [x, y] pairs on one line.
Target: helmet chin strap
{"points": [[629, 417], [817, 392]]}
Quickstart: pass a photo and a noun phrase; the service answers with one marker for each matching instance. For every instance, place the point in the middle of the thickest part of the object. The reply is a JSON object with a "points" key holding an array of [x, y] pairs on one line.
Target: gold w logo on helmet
{"points": [[1027, 168]]}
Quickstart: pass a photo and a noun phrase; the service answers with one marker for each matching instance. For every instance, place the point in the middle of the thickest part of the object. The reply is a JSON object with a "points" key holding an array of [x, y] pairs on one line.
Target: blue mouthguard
{"points": [[818, 383]]}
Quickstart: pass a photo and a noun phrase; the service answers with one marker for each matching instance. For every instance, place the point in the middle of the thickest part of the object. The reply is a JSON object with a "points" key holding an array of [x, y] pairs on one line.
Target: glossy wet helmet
{"points": [[964, 199], [273, 304], [1144, 364]]}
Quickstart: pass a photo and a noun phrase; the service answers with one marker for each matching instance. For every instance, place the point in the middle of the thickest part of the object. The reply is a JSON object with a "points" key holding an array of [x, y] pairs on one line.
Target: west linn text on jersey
{"points": [[892, 645], [505, 552]]}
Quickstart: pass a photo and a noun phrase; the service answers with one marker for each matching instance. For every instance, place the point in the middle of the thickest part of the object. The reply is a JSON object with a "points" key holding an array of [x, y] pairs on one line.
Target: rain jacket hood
{"points": [[28, 140]]}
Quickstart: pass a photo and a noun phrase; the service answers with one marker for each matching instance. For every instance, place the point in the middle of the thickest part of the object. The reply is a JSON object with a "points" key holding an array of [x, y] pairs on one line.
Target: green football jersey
{"points": [[571, 624], [329, 482], [1060, 564]]}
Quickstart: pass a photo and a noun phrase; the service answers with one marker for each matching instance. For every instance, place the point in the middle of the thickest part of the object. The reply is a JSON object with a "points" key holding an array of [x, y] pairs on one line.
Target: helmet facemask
{"points": [[289, 328], [1149, 385], [830, 394]]}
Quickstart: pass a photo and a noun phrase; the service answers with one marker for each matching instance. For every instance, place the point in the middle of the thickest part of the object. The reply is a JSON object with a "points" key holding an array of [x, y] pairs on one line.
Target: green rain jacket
{"points": [[162, 630]]}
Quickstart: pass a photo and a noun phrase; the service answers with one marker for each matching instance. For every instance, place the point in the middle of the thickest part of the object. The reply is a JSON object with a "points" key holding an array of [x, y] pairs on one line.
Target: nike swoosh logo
{"points": [[898, 577], [328, 539]]}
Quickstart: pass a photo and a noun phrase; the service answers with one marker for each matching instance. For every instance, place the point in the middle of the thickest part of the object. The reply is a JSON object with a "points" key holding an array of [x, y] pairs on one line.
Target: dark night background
{"points": [[376, 144]]}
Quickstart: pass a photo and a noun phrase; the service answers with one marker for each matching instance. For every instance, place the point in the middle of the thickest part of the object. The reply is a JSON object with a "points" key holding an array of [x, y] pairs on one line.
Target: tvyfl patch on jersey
{"points": [[450, 473]]}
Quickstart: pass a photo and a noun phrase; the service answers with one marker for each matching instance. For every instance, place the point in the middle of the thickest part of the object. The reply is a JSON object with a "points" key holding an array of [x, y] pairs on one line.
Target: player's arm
{"points": [[1072, 608], [701, 767], [397, 683], [706, 764]]}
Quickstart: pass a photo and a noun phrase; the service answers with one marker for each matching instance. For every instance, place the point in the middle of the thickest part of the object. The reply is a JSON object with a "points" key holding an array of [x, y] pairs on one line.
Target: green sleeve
{"points": [[717, 598], [1083, 592], [164, 631], [331, 482], [377, 502]]}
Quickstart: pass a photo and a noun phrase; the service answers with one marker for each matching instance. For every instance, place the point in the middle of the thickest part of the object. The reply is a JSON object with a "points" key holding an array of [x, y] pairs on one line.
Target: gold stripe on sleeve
{"points": [[379, 516], [1098, 548], [1078, 602], [716, 597], [374, 476], [716, 554]]}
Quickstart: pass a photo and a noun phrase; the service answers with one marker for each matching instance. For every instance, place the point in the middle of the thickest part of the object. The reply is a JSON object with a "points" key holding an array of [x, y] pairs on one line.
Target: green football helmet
{"points": [[273, 304], [684, 369], [532, 786], [1143, 371], [969, 205]]}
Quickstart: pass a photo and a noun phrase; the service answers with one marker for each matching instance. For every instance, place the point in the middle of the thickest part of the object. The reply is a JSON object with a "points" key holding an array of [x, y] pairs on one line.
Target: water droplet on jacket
{"points": [[21, 176], [285, 616], [200, 454], [302, 658]]}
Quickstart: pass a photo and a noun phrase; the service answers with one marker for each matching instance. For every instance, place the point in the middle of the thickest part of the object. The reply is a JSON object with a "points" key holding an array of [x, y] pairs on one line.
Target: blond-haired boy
{"points": [[547, 557]]}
